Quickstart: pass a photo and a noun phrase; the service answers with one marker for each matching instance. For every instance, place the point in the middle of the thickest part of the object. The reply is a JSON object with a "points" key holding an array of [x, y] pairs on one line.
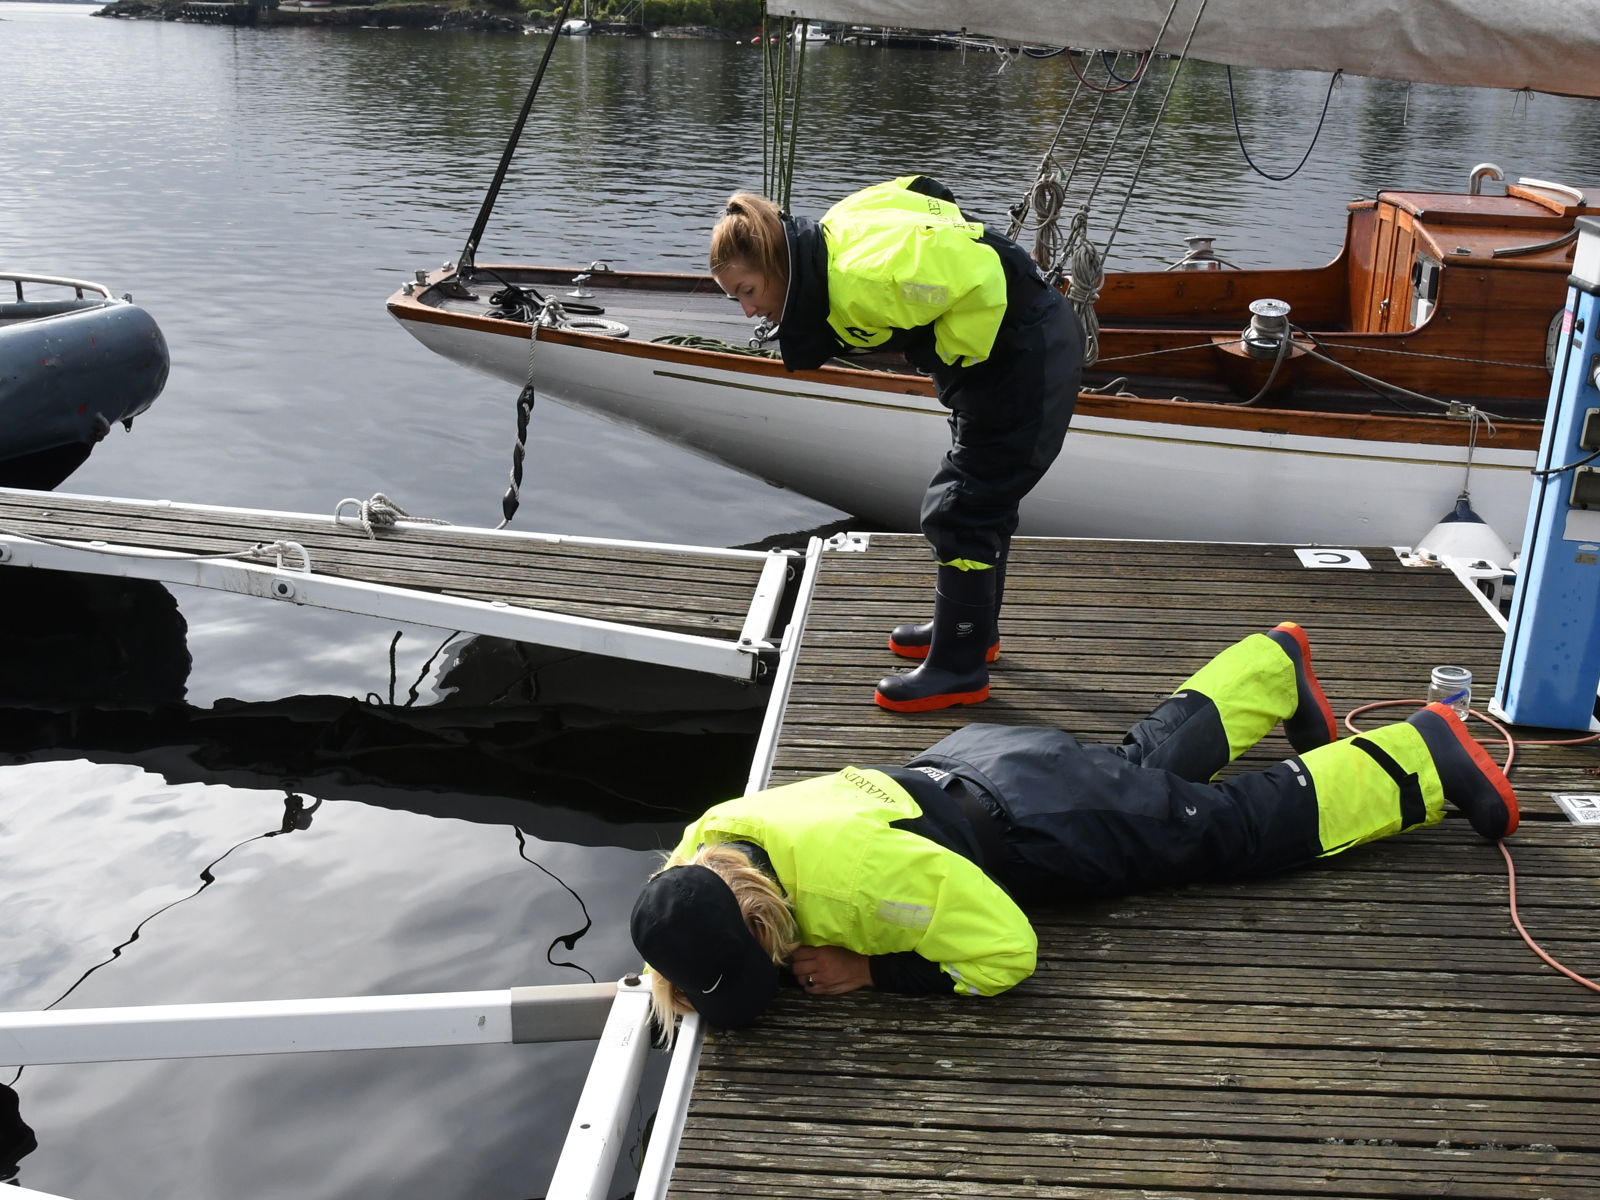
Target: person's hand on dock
{"points": [[830, 970]]}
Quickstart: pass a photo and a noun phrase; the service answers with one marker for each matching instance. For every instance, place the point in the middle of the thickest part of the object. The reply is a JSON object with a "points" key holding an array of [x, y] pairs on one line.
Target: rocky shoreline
{"points": [[398, 15]]}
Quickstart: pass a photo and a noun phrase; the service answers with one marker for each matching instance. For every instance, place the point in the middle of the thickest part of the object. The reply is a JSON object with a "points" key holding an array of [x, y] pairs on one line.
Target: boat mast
{"points": [[466, 265]]}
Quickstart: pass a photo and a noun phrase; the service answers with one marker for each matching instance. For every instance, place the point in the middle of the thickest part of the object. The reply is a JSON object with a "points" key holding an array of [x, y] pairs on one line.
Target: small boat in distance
{"points": [[74, 360], [1447, 294]]}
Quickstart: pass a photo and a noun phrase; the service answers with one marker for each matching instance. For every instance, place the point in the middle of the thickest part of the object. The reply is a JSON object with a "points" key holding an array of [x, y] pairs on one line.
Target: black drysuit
{"points": [[1008, 414]]}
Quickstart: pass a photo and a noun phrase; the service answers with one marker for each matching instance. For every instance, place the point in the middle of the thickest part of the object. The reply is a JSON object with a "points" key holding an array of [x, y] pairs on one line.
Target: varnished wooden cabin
{"points": [[1423, 295]]}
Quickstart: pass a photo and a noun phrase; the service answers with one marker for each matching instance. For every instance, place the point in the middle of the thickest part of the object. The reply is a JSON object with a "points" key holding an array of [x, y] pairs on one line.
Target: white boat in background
{"points": [[576, 27], [866, 441]]}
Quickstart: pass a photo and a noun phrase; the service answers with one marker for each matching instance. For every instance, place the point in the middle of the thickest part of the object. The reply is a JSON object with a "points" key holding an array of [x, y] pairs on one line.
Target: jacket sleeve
{"points": [[904, 276], [906, 973], [964, 922]]}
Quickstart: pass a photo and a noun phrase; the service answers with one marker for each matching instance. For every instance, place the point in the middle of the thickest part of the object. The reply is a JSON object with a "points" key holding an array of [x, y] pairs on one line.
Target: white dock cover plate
{"points": [[1547, 45]]}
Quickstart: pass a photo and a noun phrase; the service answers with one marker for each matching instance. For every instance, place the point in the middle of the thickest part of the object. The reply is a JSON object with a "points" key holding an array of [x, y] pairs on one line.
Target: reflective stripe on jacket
{"points": [[857, 881], [899, 259]]}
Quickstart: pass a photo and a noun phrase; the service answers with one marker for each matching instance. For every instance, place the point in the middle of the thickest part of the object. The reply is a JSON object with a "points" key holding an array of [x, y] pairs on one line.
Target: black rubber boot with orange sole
{"points": [[912, 640], [1313, 723], [956, 669], [1472, 781]]}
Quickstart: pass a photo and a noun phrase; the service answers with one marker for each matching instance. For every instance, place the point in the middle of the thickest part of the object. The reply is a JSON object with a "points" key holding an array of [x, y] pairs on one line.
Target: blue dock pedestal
{"points": [[1550, 668]]}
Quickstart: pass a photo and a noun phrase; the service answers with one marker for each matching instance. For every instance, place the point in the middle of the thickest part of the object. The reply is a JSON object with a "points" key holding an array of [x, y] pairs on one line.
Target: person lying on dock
{"points": [[899, 268], [907, 879]]}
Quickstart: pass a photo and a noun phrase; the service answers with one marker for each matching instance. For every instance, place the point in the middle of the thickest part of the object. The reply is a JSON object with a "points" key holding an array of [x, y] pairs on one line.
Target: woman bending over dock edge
{"points": [[898, 268]]}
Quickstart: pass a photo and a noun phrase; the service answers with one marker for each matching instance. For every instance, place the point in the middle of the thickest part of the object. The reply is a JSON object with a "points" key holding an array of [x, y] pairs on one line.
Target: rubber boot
{"points": [[1253, 684], [1471, 780], [955, 670], [912, 641], [1312, 724]]}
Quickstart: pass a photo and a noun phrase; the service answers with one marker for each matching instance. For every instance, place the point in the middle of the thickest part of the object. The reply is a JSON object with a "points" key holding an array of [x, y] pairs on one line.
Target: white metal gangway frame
{"points": [[747, 657], [617, 1013]]}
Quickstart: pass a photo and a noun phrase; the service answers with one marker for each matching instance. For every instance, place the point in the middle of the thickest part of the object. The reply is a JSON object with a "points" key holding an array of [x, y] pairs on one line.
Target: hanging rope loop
{"points": [[1088, 275], [1233, 106], [1048, 198]]}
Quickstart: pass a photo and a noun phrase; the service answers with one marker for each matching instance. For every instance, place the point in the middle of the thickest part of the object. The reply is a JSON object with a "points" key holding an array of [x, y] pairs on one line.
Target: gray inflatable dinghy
{"points": [[74, 360]]}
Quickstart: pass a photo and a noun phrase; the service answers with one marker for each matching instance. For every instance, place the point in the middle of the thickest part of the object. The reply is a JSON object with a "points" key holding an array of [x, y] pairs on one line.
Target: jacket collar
{"points": [[805, 339]]}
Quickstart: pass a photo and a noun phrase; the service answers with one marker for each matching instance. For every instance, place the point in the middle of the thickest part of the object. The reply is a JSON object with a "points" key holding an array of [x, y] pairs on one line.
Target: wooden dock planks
{"points": [[681, 592], [1370, 1027]]}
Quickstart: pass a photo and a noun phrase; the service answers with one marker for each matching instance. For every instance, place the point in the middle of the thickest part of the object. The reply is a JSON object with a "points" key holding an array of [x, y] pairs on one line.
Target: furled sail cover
{"points": [[1547, 45]]}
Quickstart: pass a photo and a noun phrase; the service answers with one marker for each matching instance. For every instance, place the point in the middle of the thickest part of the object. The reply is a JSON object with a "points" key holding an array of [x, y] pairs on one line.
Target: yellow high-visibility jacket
{"points": [[899, 259], [857, 881]]}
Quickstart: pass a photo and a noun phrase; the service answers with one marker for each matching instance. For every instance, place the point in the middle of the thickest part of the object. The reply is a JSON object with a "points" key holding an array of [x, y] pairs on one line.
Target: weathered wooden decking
{"points": [[1369, 1028], [653, 588]]}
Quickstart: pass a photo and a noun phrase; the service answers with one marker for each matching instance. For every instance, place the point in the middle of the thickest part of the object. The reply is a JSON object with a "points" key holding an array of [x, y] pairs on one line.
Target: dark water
{"points": [[261, 192]]}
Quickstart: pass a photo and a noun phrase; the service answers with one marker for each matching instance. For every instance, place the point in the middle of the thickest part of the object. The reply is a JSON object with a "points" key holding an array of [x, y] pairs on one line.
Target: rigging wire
{"points": [[1127, 110], [1456, 358], [1233, 106], [1155, 124], [1019, 210], [1373, 381], [1172, 350]]}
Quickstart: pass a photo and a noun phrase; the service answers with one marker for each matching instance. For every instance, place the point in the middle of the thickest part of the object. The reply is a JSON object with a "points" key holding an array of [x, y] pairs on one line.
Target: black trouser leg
{"points": [[1009, 417], [1150, 828], [1183, 735]]}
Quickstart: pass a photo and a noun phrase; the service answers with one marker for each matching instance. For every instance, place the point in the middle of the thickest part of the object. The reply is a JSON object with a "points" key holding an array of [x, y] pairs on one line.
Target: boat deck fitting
{"points": [[1368, 1027]]}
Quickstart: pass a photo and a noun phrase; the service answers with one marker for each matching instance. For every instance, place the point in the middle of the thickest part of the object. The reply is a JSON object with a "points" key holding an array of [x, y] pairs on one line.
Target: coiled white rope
{"points": [[380, 512], [1047, 199], [1084, 282]]}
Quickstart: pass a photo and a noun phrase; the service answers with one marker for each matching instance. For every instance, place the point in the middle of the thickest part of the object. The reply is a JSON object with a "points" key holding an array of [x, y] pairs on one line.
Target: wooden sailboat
{"points": [[1450, 295]]}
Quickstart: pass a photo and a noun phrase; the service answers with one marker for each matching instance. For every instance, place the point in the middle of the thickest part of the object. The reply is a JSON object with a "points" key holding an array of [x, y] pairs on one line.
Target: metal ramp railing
{"points": [[618, 1015], [702, 608]]}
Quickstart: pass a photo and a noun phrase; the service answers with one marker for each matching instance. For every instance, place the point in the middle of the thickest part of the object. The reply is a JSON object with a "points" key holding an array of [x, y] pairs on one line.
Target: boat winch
{"points": [[1201, 255], [1263, 338]]}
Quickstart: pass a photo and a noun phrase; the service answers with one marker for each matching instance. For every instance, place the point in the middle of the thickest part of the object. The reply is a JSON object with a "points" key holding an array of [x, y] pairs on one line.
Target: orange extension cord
{"points": [[1511, 757]]}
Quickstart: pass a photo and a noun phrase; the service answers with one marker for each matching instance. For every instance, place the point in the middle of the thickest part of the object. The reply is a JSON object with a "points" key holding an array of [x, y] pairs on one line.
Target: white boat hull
{"points": [[871, 453]]}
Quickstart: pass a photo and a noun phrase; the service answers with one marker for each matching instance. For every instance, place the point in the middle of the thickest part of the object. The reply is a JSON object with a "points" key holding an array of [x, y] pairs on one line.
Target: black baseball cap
{"points": [[687, 925]]}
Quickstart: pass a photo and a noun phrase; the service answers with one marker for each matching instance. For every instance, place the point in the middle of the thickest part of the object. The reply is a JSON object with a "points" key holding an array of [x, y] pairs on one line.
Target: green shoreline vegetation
{"points": [[690, 18]]}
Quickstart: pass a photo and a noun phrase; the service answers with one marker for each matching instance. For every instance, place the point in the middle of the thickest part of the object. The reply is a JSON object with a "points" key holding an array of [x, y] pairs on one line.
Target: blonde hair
{"points": [[767, 913], [750, 234]]}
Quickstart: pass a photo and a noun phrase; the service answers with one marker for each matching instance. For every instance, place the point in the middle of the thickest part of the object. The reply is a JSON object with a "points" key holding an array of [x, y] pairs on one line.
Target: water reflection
{"points": [[491, 834], [366, 901], [563, 745], [16, 1138]]}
